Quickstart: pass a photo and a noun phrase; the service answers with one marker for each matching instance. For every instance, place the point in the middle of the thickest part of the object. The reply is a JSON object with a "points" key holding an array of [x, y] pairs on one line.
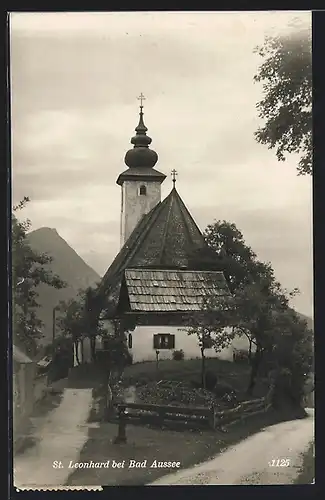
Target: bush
{"points": [[178, 355], [128, 359]]}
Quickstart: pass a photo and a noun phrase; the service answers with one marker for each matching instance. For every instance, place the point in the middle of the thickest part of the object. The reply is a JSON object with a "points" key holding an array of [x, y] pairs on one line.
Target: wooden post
{"points": [[203, 367], [122, 420], [213, 418], [157, 364], [108, 395]]}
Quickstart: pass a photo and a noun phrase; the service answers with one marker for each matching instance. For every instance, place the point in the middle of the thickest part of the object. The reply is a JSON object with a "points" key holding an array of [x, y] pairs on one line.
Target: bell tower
{"points": [[140, 183]]}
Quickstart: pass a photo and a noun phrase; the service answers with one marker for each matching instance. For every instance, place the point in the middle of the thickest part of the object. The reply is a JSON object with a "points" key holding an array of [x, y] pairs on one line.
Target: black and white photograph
{"points": [[162, 248]]}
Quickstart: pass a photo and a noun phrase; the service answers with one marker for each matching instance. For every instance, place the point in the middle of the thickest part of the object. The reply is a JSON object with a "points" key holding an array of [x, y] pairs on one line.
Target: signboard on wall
{"points": [[163, 341]]}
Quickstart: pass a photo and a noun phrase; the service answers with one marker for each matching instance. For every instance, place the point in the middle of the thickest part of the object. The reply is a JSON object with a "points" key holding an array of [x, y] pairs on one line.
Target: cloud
{"points": [[75, 78]]}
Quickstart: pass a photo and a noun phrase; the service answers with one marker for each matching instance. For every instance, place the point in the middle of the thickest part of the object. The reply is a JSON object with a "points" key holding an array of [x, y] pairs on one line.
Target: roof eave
{"points": [[128, 176]]}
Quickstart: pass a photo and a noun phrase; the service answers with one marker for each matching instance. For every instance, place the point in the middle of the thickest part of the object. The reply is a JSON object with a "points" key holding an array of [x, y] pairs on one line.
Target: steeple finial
{"points": [[141, 129], [141, 155], [174, 174], [141, 98]]}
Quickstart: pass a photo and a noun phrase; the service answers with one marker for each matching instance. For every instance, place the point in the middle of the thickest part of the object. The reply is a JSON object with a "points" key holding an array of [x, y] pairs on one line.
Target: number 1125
{"points": [[280, 462]]}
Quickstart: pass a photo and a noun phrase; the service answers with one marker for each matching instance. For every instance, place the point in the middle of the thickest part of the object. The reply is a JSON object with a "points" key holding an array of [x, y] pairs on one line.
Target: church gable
{"points": [[167, 237], [171, 238], [182, 236]]}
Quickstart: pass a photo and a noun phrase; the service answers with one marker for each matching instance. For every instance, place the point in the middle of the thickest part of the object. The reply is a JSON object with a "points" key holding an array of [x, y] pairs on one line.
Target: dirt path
{"points": [[250, 462], [61, 437]]}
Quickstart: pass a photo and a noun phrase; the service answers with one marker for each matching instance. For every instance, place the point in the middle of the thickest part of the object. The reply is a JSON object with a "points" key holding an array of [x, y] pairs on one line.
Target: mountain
{"points": [[67, 265]]}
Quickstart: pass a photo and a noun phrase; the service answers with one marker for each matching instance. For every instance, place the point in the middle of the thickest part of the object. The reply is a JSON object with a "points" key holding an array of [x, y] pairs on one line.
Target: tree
{"points": [[91, 312], [256, 312], [79, 319], [286, 108], [293, 360], [210, 326], [257, 296], [70, 322], [234, 257], [29, 270], [117, 354]]}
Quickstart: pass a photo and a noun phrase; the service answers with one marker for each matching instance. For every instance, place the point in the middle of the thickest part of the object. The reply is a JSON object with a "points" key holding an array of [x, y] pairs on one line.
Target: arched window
{"points": [[143, 190]]}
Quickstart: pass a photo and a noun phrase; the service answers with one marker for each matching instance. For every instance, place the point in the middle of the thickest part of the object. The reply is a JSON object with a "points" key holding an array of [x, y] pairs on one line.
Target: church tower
{"points": [[140, 183]]}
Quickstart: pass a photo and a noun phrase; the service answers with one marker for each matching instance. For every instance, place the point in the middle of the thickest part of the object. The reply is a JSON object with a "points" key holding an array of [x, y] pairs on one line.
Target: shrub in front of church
{"points": [[178, 355], [128, 359], [179, 395], [211, 380]]}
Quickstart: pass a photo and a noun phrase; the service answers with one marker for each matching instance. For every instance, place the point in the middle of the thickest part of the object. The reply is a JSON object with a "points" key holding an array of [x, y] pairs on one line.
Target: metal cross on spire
{"points": [[141, 98], [174, 175]]}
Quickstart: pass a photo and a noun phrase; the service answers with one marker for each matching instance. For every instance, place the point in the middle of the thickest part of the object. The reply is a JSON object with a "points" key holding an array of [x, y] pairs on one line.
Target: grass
{"points": [[179, 369], [235, 374], [307, 472], [142, 373], [144, 443]]}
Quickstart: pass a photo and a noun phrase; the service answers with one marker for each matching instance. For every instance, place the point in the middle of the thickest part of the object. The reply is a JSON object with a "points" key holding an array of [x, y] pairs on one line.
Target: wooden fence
{"points": [[194, 416], [242, 411], [161, 414]]}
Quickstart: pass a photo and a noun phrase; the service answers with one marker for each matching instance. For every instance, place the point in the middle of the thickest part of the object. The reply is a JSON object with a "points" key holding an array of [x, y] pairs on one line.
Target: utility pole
{"points": [[53, 340], [53, 331]]}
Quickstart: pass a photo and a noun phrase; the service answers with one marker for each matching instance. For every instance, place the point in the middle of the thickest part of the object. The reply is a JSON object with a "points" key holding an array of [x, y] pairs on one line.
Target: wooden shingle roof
{"points": [[171, 290], [165, 238]]}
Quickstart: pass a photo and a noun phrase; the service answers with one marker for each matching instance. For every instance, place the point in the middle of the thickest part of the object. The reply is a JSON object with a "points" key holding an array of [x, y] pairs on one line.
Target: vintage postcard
{"points": [[162, 249]]}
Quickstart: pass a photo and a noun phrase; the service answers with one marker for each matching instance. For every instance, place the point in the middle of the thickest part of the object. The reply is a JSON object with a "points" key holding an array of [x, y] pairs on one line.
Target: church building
{"points": [[156, 278]]}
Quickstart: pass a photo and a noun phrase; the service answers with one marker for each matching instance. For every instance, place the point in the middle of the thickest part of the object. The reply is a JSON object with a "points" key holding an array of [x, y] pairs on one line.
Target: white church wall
{"points": [[142, 344], [134, 205]]}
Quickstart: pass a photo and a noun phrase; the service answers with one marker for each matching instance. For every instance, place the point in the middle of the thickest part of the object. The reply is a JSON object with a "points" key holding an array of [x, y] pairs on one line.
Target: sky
{"points": [[75, 78]]}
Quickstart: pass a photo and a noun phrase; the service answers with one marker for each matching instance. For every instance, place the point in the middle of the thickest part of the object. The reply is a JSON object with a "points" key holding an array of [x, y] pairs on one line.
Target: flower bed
{"points": [[177, 395]]}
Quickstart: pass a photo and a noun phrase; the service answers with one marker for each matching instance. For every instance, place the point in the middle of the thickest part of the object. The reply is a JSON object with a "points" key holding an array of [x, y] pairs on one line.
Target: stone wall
{"points": [[40, 387]]}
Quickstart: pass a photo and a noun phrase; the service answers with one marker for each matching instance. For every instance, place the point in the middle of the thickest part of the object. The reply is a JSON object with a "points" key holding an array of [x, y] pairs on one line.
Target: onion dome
{"points": [[141, 156]]}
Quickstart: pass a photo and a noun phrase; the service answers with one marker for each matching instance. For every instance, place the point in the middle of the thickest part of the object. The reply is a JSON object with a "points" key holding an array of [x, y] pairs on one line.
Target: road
{"points": [[250, 461], [61, 437]]}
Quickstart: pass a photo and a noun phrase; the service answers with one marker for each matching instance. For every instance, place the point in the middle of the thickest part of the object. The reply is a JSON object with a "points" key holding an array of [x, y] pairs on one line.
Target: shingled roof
{"points": [[165, 238], [171, 291]]}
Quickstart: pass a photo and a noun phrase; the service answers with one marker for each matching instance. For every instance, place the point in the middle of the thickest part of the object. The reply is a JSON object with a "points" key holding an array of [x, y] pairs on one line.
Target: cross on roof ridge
{"points": [[141, 98], [174, 174]]}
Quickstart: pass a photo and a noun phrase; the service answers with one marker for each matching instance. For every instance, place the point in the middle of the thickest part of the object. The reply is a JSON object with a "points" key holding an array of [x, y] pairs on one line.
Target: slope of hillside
{"points": [[68, 265]]}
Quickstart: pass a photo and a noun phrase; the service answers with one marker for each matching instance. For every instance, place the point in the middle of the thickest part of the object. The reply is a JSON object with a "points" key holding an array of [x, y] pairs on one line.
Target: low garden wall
{"points": [[40, 387]]}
